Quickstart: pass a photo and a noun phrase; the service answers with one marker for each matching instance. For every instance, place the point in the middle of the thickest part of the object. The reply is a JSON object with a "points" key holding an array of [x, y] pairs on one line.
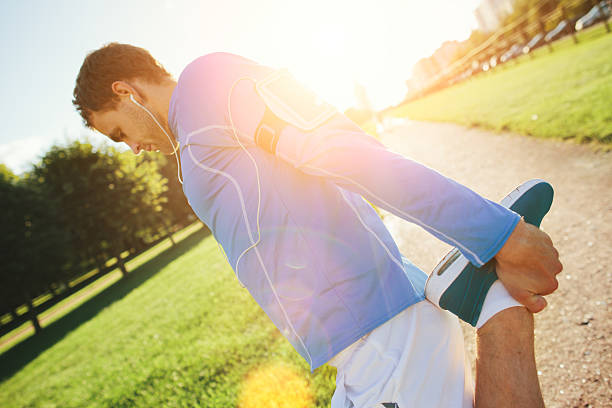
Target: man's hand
{"points": [[527, 265]]}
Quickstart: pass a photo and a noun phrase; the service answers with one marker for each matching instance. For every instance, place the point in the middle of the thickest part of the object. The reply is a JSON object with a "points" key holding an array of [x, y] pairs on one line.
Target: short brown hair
{"points": [[113, 62]]}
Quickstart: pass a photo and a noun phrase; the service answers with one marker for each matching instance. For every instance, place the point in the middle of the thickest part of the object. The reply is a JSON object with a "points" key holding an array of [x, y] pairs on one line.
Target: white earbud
{"points": [[175, 148]]}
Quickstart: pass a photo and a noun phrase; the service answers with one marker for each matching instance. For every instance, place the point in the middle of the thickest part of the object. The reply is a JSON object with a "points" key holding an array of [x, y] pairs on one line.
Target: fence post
{"points": [[543, 31], [32, 315], [121, 265], [54, 292], [601, 13], [525, 41], [572, 28]]}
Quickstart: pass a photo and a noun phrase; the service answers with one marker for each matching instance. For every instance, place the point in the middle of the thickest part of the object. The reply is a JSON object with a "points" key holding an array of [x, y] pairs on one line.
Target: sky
{"points": [[329, 45]]}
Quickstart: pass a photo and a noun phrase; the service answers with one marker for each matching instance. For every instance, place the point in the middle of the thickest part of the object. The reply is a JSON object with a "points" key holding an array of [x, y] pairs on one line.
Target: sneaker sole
{"points": [[476, 285]]}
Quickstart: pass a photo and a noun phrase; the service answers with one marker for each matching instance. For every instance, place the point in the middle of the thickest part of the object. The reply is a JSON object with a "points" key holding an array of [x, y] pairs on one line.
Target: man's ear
{"points": [[121, 88], [125, 89]]}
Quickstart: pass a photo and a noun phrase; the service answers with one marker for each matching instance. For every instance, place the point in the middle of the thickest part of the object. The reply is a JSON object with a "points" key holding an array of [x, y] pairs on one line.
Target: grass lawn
{"points": [[75, 300], [566, 94], [179, 331]]}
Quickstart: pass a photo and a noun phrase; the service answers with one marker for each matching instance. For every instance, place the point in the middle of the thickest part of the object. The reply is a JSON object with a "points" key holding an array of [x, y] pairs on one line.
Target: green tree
{"points": [[109, 201], [35, 248], [142, 212], [77, 208], [7, 174], [175, 209]]}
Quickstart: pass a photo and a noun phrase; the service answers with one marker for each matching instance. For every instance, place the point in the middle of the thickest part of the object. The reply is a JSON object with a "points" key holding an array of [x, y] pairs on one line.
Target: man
{"points": [[287, 206]]}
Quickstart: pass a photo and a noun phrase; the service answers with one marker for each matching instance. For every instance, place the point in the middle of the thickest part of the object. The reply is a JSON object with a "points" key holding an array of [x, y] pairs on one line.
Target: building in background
{"points": [[445, 55], [428, 68], [431, 72], [423, 71], [490, 14]]}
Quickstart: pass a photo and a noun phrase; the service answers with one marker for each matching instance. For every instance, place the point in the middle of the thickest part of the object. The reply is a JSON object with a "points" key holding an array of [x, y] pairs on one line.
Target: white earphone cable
{"points": [[229, 111], [175, 148], [258, 230]]}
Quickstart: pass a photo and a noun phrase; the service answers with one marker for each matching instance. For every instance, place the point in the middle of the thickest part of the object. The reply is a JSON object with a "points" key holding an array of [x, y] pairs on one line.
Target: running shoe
{"points": [[460, 287]]}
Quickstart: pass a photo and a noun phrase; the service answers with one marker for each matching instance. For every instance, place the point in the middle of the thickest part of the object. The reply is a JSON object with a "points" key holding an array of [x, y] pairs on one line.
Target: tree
{"points": [[175, 208], [77, 208], [109, 201], [35, 248]]}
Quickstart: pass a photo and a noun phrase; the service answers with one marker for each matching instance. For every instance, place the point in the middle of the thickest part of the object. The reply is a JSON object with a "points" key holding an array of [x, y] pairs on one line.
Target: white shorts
{"points": [[416, 359]]}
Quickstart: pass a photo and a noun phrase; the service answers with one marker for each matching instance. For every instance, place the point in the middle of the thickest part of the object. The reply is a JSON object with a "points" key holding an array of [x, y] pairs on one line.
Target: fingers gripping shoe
{"points": [[460, 287]]}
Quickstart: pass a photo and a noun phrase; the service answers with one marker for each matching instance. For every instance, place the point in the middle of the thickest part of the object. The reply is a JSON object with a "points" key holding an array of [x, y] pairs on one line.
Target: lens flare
{"points": [[275, 385]]}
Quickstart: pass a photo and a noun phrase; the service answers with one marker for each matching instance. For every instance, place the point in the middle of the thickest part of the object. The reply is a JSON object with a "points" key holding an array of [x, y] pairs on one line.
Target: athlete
{"points": [[283, 186]]}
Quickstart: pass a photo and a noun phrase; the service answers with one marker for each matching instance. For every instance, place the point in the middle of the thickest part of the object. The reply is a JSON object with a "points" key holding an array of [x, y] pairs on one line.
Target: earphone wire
{"points": [[187, 146], [229, 111], [258, 229], [175, 148]]}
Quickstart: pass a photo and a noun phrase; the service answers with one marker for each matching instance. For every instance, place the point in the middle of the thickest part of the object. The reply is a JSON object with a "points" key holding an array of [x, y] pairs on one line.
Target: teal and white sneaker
{"points": [[460, 287]]}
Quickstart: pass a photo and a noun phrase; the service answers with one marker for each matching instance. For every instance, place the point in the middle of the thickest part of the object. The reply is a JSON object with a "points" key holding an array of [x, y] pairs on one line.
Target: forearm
{"points": [[357, 162]]}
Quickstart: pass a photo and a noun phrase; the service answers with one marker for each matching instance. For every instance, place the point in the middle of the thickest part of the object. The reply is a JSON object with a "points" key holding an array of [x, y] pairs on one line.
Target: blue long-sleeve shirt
{"points": [[316, 257]]}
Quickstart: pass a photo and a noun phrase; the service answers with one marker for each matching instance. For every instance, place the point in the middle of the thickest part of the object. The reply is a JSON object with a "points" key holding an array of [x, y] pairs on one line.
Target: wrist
{"points": [[513, 240]]}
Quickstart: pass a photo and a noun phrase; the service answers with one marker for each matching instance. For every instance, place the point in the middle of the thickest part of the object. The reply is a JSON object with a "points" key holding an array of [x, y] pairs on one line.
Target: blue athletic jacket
{"points": [[324, 268]]}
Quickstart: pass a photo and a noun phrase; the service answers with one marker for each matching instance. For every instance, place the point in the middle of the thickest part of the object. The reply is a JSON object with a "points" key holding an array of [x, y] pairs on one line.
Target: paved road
{"points": [[574, 333]]}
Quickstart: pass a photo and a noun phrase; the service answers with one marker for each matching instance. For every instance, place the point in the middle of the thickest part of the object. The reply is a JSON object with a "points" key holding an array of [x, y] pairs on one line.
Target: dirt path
{"points": [[574, 333]]}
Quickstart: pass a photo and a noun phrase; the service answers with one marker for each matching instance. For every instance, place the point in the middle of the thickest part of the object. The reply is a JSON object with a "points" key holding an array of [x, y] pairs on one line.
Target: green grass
{"points": [[566, 94], [179, 331], [75, 300]]}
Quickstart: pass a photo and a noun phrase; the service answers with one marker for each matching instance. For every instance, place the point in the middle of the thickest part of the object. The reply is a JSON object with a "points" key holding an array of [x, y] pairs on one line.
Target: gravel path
{"points": [[574, 333]]}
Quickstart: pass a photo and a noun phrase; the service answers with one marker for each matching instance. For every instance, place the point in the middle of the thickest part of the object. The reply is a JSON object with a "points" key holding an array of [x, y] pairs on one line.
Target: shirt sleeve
{"points": [[343, 153]]}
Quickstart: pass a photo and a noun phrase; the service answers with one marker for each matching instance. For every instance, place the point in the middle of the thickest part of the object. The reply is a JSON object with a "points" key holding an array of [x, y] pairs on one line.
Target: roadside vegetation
{"points": [[559, 95], [77, 214], [177, 331]]}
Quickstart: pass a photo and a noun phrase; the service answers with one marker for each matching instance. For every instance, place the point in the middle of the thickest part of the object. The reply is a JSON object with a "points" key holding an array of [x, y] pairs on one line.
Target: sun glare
{"points": [[331, 58], [326, 66], [275, 385], [330, 48]]}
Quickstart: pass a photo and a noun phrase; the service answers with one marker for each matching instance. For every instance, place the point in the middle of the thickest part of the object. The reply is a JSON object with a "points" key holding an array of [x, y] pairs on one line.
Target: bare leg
{"points": [[506, 373]]}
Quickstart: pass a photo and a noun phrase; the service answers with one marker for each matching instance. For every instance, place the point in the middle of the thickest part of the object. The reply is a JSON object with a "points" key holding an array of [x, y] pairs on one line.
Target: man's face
{"points": [[130, 124]]}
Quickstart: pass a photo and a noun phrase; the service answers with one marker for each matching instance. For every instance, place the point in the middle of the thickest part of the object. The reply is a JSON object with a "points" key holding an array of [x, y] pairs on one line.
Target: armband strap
{"points": [[268, 131]]}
